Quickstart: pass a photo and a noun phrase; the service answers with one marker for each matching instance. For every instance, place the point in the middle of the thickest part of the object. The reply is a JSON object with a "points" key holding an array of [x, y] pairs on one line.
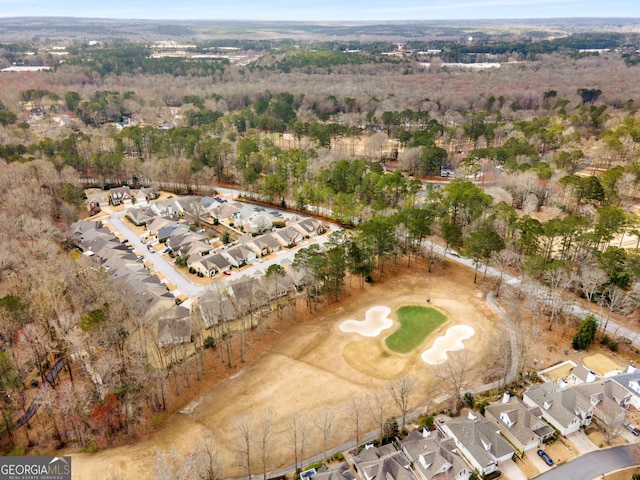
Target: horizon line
{"points": [[252, 20]]}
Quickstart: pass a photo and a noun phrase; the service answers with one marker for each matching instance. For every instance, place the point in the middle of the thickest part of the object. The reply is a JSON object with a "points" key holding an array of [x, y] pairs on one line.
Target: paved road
{"points": [[613, 328], [184, 284], [596, 463], [593, 465]]}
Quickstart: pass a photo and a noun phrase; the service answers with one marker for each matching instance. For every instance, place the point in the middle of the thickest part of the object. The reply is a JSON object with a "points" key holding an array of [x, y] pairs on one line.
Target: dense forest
{"points": [[542, 153]]}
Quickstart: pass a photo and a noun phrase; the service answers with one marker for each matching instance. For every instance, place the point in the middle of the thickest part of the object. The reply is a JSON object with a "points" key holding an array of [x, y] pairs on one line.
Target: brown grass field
{"points": [[312, 365]]}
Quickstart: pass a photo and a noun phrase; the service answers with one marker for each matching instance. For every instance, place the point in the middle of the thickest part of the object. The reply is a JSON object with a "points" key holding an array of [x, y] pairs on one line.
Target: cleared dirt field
{"points": [[314, 364]]}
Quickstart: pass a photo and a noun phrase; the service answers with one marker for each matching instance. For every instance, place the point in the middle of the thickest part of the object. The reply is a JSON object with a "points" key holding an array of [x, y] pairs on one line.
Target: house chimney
{"points": [[506, 397]]}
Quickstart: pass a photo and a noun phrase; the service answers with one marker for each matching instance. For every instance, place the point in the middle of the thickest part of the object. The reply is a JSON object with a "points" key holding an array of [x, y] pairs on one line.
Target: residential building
{"points": [[97, 200], [383, 463], [140, 215], [630, 381], [174, 326], [479, 442], [216, 308], [239, 255], [434, 456], [340, 472], [120, 196], [581, 374], [210, 265], [518, 423], [567, 409], [560, 407]]}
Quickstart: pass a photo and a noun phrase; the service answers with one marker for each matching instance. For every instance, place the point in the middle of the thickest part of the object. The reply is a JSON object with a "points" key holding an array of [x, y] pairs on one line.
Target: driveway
{"points": [[180, 281], [629, 437], [537, 462], [581, 442], [511, 471], [592, 465]]}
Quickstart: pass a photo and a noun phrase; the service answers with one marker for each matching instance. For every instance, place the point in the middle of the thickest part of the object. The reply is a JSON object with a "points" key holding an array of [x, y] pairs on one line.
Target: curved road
{"points": [[613, 328], [180, 281], [594, 464]]}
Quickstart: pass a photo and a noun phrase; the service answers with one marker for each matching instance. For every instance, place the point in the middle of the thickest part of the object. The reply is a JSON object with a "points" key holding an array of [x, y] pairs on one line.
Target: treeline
{"points": [[135, 59], [532, 48]]}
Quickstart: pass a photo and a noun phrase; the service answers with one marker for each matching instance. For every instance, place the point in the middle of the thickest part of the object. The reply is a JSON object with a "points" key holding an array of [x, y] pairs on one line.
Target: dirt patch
{"points": [[311, 365], [561, 451], [598, 439], [601, 364], [623, 474], [561, 371]]}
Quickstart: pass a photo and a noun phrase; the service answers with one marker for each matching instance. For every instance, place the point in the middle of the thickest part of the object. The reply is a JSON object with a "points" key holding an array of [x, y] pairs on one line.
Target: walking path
{"points": [[192, 290]]}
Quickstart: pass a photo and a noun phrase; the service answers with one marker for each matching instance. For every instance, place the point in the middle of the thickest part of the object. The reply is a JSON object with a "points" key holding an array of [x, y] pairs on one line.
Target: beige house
{"points": [[434, 456], [519, 424], [479, 441]]}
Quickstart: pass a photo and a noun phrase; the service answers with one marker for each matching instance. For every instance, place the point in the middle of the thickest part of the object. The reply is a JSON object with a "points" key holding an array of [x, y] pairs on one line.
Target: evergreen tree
{"points": [[585, 334]]}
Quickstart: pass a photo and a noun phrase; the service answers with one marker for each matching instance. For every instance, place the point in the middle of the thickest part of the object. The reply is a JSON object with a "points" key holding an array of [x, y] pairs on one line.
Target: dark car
{"points": [[545, 457]]}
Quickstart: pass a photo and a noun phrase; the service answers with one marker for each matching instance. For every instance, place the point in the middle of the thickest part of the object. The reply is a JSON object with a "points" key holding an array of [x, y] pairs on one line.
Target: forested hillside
{"points": [[532, 166]]}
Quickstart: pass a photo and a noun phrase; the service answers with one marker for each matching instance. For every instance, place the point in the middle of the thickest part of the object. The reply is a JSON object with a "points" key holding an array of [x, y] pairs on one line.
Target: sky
{"points": [[321, 10]]}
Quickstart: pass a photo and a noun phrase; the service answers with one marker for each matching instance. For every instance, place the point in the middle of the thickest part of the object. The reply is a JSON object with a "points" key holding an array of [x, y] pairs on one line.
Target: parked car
{"points": [[227, 272], [545, 457], [166, 250], [632, 428]]}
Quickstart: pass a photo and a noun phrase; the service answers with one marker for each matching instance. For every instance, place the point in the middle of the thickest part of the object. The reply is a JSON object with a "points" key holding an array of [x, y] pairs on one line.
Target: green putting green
{"points": [[416, 323]]}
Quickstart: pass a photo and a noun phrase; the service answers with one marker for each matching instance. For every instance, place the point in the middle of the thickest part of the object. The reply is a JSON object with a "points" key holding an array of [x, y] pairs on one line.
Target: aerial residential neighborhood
{"points": [[166, 227], [323, 241], [510, 433]]}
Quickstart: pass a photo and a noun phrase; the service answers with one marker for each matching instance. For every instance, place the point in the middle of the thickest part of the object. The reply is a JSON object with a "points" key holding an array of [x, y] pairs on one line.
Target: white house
{"points": [[630, 380]]}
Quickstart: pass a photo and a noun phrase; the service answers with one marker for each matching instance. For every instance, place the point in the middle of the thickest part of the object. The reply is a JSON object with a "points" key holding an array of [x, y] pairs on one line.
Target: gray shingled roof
{"points": [[625, 379], [341, 472], [481, 438], [216, 308], [174, 326], [562, 404], [525, 426], [383, 463], [434, 455]]}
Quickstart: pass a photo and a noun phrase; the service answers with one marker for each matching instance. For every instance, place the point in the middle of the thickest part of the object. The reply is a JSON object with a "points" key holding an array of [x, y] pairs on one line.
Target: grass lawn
{"points": [[416, 323]]}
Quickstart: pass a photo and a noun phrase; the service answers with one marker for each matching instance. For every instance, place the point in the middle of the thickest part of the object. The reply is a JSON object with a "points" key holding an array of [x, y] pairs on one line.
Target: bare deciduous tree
{"points": [[453, 372], [611, 417], [208, 463], [243, 443], [324, 423], [616, 300], [401, 390], [502, 260], [265, 435], [170, 465], [590, 279], [298, 430], [377, 408], [355, 408]]}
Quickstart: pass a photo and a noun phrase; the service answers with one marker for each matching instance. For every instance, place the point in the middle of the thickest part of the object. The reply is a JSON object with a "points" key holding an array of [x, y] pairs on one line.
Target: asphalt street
{"points": [[594, 464]]}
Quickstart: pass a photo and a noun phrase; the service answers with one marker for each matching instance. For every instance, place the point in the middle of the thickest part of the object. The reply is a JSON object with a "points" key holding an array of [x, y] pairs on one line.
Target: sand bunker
{"points": [[450, 341], [376, 320]]}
